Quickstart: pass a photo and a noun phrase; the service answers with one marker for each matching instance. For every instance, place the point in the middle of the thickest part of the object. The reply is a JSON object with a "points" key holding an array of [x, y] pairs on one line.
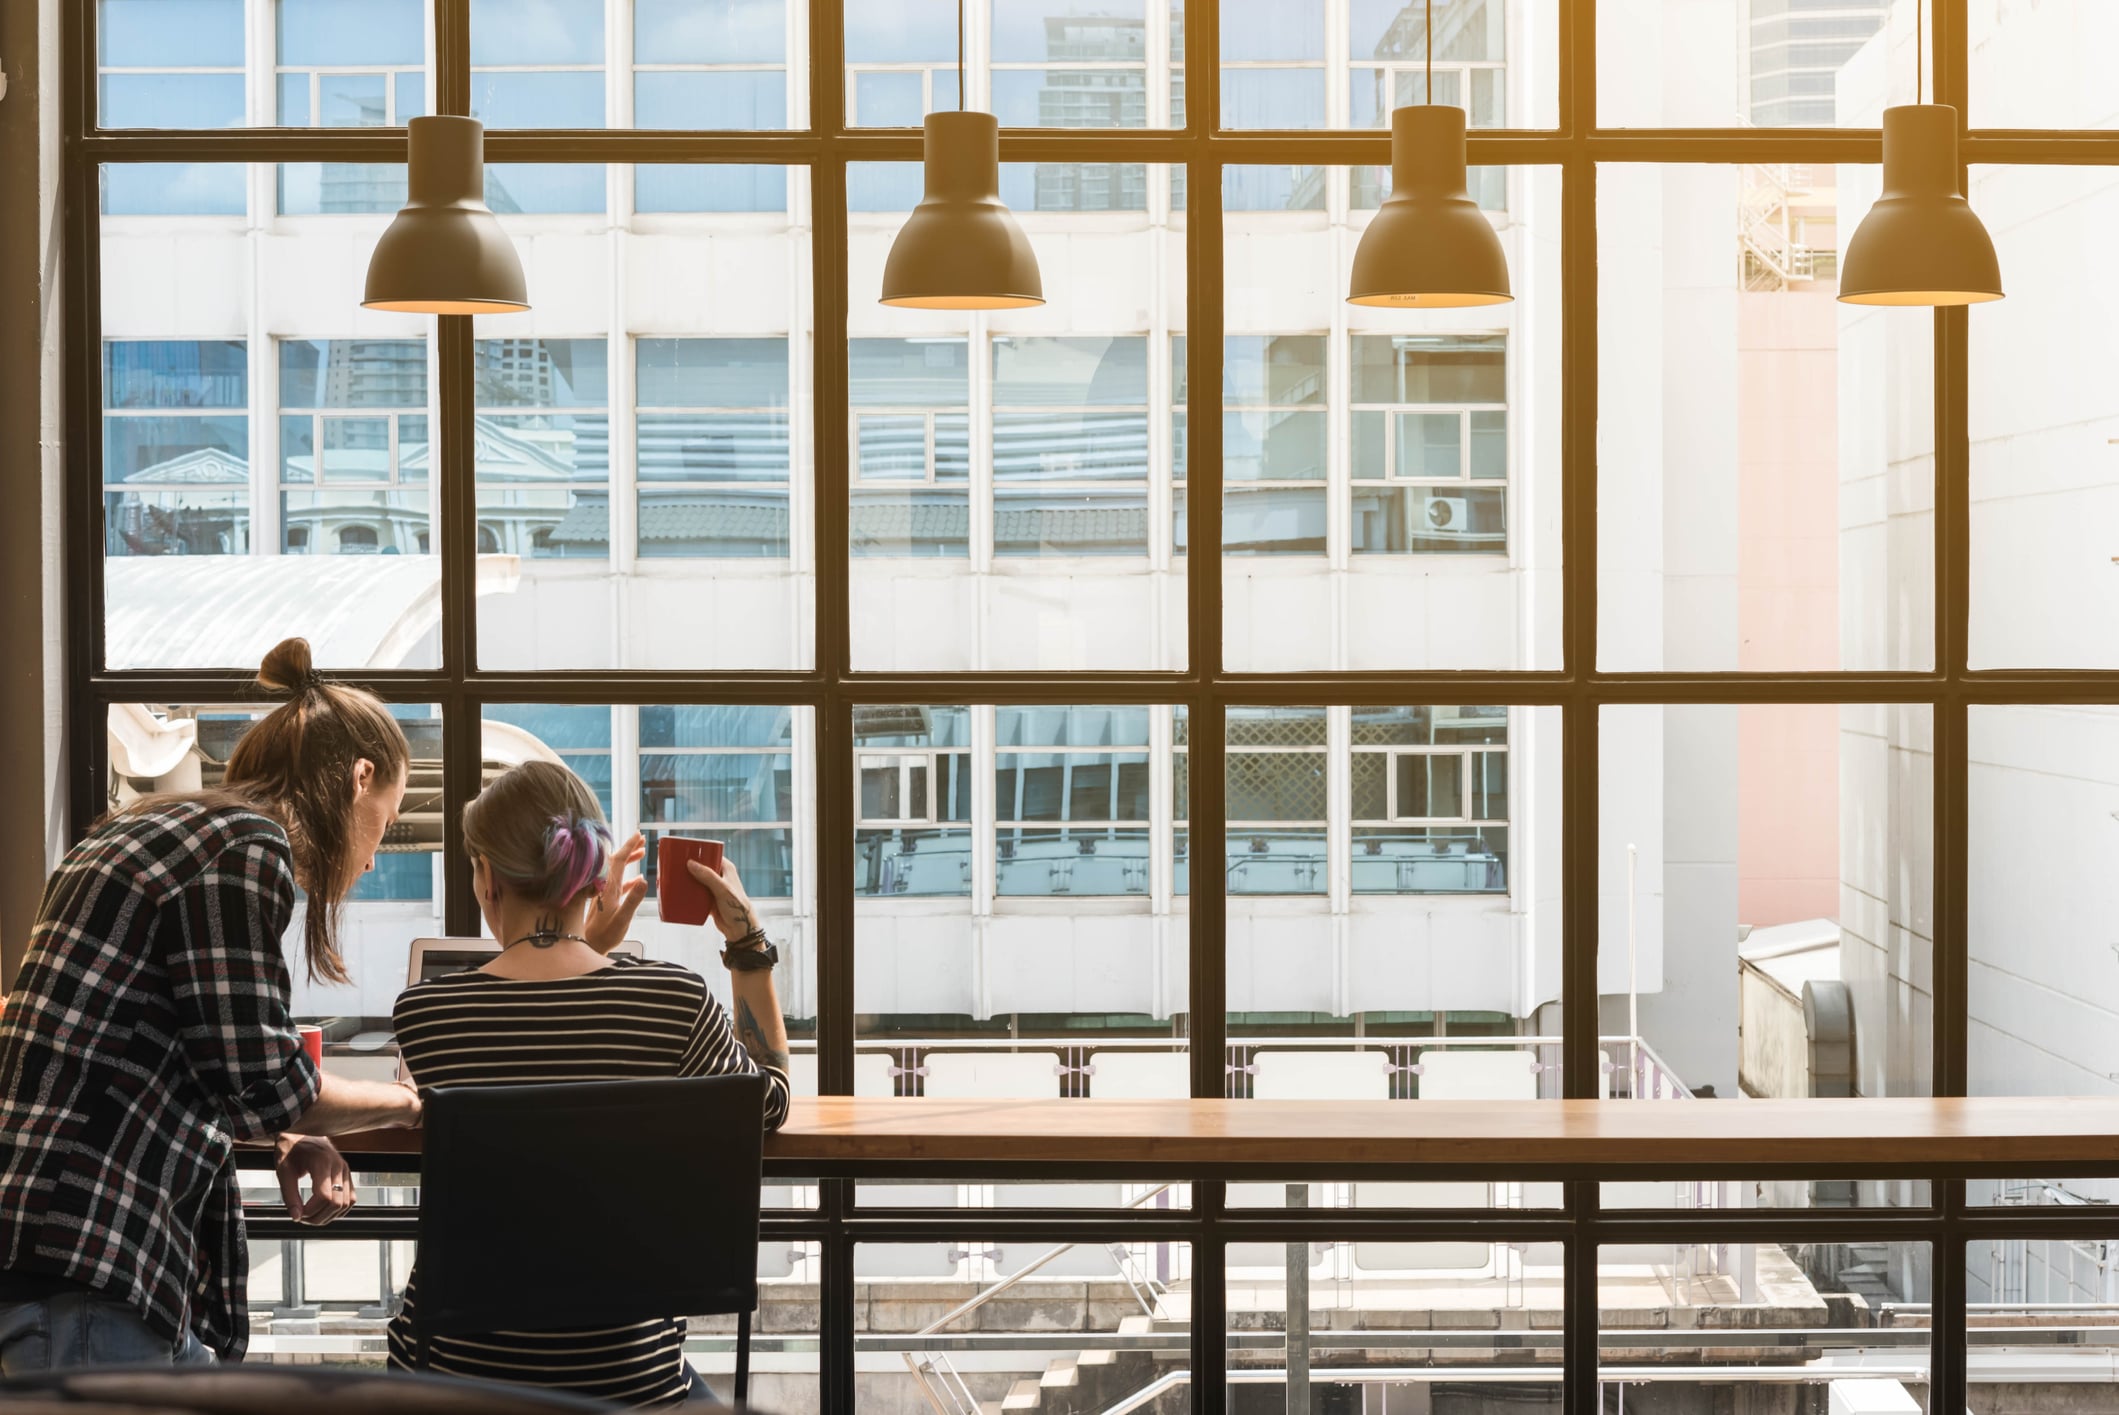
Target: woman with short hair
{"points": [[557, 1006], [149, 1030]]}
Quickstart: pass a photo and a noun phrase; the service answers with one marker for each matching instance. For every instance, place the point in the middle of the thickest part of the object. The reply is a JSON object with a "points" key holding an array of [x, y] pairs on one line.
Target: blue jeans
{"points": [[84, 1329]]}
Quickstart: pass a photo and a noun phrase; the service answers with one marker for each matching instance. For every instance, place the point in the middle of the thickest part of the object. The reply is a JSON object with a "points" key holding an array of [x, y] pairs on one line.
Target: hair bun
{"points": [[576, 849], [288, 668]]}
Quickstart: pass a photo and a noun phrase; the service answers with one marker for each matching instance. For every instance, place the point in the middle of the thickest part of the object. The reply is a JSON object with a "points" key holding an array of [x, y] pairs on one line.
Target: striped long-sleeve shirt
{"points": [[629, 1020]]}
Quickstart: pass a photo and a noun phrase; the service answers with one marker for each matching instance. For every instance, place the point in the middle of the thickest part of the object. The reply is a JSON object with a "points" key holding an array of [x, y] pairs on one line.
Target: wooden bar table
{"points": [[889, 1138]]}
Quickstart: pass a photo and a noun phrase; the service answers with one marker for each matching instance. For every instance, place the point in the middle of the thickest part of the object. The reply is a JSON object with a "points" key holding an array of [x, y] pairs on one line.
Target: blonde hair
{"points": [[540, 829]]}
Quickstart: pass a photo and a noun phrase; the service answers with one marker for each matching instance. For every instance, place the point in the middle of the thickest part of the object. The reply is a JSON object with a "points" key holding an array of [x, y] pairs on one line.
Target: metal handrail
{"points": [[938, 1363]]}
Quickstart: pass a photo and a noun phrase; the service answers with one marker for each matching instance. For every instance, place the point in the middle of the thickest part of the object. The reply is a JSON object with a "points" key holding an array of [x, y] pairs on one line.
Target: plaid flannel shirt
{"points": [[149, 1030]]}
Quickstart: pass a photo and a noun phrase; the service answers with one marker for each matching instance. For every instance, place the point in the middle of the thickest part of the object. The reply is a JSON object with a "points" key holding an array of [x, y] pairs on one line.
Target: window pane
{"points": [[1793, 64], [1279, 70], [172, 33], [384, 455], [709, 31], [1351, 575], [1772, 866], [150, 41], [737, 774], [530, 32], [649, 472], [163, 747], [258, 471], [1038, 835], [320, 34], [742, 99], [1005, 483], [1641, 1305], [1375, 893], [2045, 466], [1068, 66], [1765, 463], [2038, 68], [2042, 987]]}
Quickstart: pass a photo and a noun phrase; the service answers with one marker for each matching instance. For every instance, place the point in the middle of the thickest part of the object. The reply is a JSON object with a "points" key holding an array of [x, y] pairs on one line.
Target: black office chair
{"points": [[590, 1204]]}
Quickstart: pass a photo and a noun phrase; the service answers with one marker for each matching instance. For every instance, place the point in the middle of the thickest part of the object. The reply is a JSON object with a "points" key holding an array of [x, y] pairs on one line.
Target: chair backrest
{"points": [[589, 1204]]}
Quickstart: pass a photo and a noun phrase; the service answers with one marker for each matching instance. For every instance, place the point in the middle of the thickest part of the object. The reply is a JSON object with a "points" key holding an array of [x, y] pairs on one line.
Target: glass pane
{"points": [[186, 64], [211, 426], [2036, 68], [1793, 63], [1765, 453], [1006, 479], [158, 747], [2053, 1295], [1372, 552], [737, 774], [1119, 1307], [1017, 927], [170, 63], [2042, 988], [2043, 444], [1307, 1331], [1717, 1326], [1766, 909], [1280, 69], [744, 98], [648, 475], [1372, 897], [1068, 66]]}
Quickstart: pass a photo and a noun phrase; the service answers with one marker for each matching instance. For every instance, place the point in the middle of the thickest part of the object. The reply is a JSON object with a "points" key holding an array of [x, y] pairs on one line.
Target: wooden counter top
{"points": [[1582, 1139]]}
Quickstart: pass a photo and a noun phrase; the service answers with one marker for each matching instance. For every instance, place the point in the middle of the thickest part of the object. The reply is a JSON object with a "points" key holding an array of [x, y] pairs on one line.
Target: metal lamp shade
{"points": [[961, 249], [1429, 247], [1921, 244], [445, 253]]}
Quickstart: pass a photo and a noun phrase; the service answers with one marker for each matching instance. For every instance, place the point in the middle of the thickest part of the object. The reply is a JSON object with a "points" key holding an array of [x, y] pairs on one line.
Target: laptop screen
{"points": [[433, 958], [441, 962]]}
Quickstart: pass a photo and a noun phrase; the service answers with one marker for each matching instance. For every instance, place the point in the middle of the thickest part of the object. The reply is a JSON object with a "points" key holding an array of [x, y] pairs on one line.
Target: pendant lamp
{"points": [[1429, 246], [445, 252], [961, 249], [1921, 244]]}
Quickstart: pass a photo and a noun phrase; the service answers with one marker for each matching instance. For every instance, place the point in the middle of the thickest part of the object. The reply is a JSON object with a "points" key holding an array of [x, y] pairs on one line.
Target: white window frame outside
{"points": [[996, 410], [246, 491], [1390, 478]]}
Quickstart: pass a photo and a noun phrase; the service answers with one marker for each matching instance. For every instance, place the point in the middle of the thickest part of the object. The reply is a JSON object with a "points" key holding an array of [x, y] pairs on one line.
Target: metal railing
{"points": [[1630, 1060], [940, 1383]]}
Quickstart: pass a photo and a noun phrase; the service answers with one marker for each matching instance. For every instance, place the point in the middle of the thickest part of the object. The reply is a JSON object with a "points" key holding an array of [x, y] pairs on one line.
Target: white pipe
{"points": [[1633, 976]]}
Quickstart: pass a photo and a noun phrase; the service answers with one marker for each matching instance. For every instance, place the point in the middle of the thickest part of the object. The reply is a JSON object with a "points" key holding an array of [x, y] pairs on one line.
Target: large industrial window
{"points": [[1195, 686]]}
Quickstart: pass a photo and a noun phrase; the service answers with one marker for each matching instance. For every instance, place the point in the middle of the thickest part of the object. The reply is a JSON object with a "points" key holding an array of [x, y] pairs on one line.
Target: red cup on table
{"points": [[312, 1042], [682, 899]]}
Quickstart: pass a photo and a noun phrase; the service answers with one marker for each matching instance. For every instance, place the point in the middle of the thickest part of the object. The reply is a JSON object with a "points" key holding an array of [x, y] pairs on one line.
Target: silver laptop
{"points": [[439, 957]]}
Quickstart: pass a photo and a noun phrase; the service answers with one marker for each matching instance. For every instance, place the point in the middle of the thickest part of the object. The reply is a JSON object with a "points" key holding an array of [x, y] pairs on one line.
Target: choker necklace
{"points": [[545, 938]]}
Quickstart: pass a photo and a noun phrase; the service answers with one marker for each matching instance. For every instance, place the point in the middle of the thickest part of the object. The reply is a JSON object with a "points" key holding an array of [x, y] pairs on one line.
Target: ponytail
{"points": [[297, 765]]}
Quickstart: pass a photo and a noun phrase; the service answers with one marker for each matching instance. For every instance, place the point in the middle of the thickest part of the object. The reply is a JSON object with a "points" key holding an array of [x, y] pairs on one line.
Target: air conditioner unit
{"points": [[1449, 515]]}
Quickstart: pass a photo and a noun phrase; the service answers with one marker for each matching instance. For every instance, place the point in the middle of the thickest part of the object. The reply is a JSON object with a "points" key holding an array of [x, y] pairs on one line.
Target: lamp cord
{"points": [[1920, 58], [1430, 80], [959, 56]]}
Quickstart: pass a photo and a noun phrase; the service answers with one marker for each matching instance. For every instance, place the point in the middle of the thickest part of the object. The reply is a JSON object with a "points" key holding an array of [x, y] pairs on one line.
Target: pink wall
{"points": [[1787, 602]]}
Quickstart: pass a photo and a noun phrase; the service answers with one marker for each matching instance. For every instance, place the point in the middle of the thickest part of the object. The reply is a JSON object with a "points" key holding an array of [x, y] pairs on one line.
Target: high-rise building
{"points": [[1795, 50]]}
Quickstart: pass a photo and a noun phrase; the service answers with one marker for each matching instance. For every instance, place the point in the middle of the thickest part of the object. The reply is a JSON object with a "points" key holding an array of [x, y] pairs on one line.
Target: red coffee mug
{"points": [[312, 1042], [682, 899]]}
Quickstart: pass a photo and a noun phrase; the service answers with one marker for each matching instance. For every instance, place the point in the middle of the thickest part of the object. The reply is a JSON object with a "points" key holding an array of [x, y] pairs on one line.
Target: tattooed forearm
{"points": [[739, 918], [754, 1041]]}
